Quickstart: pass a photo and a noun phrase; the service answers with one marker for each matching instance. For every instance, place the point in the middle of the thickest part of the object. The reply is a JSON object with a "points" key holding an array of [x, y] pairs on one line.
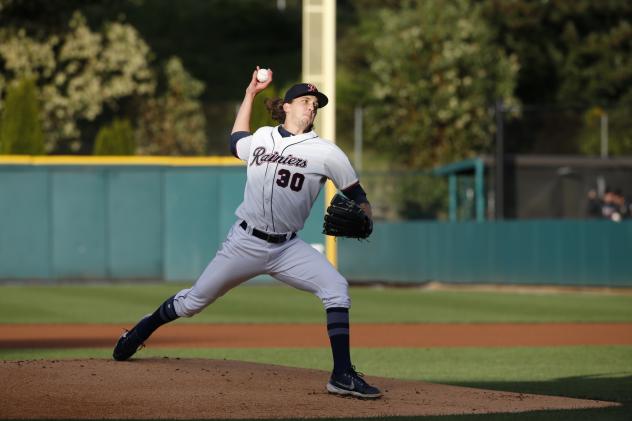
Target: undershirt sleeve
{"points": [[356, 193]]}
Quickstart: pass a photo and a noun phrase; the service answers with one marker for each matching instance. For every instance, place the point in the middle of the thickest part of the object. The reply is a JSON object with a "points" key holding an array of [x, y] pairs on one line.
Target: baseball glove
{"points": [[345, 219]]}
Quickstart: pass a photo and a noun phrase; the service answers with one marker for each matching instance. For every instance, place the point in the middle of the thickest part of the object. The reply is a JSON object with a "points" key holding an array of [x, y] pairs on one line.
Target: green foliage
{"points": [[81, 72], [115, 139], [20, 126], [570, 51], [174, 123], [573, 54], [415, 65], [423, 198], [406, 195], [619, 123], [589, 64], [211, 39], [434, 71], [207, 36]]}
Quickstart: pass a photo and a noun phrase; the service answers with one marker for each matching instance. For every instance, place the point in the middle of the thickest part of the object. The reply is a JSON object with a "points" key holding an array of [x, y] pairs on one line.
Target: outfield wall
{"points": [[144, 218], [563, 252]]}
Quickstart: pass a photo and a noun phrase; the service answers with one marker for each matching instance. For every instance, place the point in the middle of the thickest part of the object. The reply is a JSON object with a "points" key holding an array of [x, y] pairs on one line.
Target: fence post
{"points": [[499, 199], [452, 182], [479, 188], [357, 138], [604, 134]]}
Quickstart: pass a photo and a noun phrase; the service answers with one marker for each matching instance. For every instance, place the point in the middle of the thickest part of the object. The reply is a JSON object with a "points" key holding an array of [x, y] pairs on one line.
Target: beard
{"points": [[304, 122]]}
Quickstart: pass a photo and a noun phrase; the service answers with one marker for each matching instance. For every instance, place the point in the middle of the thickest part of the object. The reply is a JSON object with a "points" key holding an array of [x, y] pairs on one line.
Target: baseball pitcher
{"points": [[286, 166]]}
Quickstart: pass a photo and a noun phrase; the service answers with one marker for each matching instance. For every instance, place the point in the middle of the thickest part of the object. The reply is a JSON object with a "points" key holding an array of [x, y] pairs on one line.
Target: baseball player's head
{"points": [[299, 106]]}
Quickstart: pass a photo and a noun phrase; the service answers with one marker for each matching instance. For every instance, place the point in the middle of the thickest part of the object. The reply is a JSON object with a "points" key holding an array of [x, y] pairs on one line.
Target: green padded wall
{"points": [[24, 223], [78, 215], [165, 222], [192, 232], [135, 223], [563, 252], [119, 222]]}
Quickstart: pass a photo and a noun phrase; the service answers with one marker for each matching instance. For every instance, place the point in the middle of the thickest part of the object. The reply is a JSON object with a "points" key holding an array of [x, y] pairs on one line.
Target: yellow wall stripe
{"points": [[174, 161]]}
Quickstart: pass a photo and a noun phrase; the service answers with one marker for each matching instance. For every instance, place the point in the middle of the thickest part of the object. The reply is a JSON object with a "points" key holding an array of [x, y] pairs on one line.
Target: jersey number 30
{"points": [[295, 181]]}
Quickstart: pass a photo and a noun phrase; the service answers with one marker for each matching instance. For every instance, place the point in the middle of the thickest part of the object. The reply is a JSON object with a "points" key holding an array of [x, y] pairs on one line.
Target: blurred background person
{"points": [[594, 204], [622, 207], [608, 207]]}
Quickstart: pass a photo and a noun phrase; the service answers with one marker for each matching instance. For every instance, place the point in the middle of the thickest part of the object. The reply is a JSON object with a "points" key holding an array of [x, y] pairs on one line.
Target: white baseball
{"points": [[262, 75]]}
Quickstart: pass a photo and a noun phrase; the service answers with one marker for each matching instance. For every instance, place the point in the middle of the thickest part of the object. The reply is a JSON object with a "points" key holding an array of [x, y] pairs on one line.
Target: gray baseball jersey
{"points": [[285, 175]]}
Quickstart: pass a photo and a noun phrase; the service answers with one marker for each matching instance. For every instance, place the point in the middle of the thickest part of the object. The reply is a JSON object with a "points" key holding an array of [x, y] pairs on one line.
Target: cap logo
{"points": [[311, 88]]}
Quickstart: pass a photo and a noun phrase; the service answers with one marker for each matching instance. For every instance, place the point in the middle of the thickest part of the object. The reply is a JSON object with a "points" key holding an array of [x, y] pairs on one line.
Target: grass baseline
{"points": [[277, 303]]}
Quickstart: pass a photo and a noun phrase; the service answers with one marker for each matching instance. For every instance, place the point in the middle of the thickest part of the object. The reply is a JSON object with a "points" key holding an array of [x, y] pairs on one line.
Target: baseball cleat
{"points": [[351, 383], [128, 344]]}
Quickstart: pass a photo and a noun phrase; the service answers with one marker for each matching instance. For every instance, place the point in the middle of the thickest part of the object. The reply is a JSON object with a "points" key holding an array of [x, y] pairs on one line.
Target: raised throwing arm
{"points": [[242, 121]]}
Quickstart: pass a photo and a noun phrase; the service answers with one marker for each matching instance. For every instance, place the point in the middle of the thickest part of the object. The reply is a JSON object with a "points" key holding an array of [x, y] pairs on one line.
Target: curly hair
{"points": [[275, 108]]}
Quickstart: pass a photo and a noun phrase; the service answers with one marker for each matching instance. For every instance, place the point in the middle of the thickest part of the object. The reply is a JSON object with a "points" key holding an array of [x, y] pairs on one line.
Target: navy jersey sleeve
{"points": [[234, 138]]}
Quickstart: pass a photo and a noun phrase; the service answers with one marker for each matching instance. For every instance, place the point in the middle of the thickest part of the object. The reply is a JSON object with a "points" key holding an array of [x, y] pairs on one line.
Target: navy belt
{"points": [[270, 238]]}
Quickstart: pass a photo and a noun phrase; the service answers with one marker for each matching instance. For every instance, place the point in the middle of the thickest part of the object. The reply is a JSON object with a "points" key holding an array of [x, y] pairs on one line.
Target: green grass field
{"points": [[595, 372], [282, 304]]}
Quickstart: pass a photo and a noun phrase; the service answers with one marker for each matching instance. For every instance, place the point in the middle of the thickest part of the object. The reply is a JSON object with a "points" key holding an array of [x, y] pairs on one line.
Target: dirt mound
{"points": [[212, 389]]}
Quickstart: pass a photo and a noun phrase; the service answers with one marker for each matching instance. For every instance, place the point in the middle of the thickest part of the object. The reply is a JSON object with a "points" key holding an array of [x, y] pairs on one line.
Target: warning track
{"points": [[187, 335]]}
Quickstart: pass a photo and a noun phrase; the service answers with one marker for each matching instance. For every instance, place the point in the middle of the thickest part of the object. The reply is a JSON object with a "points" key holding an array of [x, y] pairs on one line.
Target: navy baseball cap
{"points": [[303, 89]]}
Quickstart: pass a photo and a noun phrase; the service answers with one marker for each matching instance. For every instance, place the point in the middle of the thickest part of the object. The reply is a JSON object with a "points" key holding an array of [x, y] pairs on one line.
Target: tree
{"points": [[619, 121], [116, 138], [80, 72], [21, 126], [571, 51], [428, 73], [221, 41], [573, 54], [207, 36], [174, 124]]}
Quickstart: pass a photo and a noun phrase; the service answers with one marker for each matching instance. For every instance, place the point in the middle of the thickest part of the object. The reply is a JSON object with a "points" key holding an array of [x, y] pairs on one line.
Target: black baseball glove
{"points": [[345, 219]]}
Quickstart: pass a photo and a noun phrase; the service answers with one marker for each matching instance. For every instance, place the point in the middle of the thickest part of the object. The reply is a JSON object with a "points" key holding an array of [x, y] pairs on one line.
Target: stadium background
{"points": [[161, 219], [75, 230]]}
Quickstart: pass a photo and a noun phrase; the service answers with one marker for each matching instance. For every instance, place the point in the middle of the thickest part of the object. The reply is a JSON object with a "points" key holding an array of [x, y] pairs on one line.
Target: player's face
{"points": [[302, 110]]}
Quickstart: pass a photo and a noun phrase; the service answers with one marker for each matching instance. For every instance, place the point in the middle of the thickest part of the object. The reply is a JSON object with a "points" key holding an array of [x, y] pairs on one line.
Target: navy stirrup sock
{"points": [[163, 314], [338, 330]]}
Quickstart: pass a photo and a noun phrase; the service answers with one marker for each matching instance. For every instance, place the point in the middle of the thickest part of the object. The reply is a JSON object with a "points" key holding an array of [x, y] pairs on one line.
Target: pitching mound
{"points": [[212, 389]]}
